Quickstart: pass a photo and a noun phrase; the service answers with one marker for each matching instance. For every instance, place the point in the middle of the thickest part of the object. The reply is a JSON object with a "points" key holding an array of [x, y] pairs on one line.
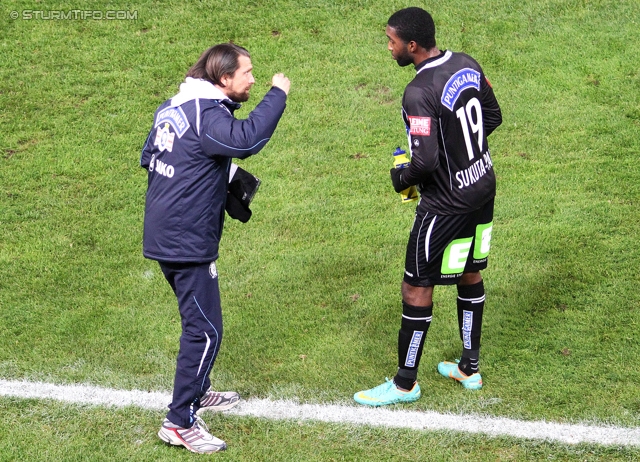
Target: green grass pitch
{"points": [[311, 285]]}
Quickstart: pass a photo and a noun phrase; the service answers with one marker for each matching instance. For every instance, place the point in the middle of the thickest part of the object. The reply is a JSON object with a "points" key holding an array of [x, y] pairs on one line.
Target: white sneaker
{"points": [[195, 439], [218, 400]]}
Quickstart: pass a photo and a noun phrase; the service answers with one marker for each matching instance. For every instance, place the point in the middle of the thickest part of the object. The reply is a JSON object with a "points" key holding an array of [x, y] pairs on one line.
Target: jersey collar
{"points": [[433, 62]]}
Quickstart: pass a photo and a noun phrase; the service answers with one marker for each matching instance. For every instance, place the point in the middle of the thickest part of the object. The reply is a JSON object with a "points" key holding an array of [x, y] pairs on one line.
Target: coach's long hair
{"points": [[216, 62]]}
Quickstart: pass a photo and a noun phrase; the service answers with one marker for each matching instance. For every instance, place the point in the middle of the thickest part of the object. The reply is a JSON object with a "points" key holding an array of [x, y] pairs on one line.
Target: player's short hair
{"points": [[218, 61], [414, 24]]}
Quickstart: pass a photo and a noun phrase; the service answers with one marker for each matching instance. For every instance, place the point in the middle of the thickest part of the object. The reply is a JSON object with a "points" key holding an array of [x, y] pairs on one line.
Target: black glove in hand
{"points": [[236, 209], [242, 187], [396, 179]]}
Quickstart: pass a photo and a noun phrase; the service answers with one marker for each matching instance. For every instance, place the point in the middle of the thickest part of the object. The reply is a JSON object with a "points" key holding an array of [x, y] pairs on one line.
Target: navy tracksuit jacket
{"points": [[188, 156]]}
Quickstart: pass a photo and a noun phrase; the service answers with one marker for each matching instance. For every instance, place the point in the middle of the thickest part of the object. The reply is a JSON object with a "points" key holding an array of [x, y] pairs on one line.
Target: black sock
{"points": [[470, 310], [469, 361], [413, 332], [405, 378]]}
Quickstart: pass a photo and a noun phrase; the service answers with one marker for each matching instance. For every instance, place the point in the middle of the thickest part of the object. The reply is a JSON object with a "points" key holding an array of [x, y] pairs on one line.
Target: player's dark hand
{"points": [[396, 179]]}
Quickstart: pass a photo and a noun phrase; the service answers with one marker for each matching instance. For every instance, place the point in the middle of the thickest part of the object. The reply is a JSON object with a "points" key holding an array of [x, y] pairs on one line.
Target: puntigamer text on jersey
{"points": [[458, 82]]}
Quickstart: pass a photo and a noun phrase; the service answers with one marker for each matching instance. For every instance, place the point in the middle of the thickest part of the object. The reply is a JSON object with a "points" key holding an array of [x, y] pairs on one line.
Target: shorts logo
{"points": [[213, 271], [483, 241], [414, 346], [420, 126], [455, 256], [467, 324]]}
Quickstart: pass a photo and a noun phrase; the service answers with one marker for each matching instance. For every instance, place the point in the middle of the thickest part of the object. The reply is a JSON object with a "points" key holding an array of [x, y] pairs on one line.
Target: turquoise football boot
{"points": [[387, 393], [451, 370]]}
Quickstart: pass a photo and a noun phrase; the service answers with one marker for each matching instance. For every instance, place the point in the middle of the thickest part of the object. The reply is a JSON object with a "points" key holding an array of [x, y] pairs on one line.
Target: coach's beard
{"points": [[239, 97]]}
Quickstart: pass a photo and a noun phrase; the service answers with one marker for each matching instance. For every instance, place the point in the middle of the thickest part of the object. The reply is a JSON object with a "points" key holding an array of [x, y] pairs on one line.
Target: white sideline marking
{"points": [[342, 414]]}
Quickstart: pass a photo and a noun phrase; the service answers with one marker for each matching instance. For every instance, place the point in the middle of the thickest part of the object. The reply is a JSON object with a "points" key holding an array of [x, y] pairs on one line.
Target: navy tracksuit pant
{"points": [[198, 293]]}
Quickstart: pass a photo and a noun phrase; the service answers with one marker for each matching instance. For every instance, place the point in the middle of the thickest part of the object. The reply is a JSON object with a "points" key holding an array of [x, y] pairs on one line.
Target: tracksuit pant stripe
{"points": [[198, 295]]}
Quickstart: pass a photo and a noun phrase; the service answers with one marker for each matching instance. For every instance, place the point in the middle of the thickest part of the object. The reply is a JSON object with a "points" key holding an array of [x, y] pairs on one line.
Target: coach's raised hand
{"points": [[282, 82]]}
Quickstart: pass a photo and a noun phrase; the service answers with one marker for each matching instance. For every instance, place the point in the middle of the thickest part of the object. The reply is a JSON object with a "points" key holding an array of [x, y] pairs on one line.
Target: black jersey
{"points": [[449, 109]]}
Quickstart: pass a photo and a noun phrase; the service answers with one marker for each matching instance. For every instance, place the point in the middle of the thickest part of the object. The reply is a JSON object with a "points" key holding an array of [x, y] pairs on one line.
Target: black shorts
{"points": [[443, 247]]}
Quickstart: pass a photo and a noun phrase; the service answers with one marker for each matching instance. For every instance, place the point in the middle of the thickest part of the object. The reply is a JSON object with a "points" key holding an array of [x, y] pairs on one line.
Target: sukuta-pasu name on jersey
{"points": [[477, 170]]}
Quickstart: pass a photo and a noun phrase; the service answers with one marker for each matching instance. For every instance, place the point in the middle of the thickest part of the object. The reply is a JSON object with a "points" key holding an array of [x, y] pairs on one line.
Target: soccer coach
{"points": [[188, 157]]}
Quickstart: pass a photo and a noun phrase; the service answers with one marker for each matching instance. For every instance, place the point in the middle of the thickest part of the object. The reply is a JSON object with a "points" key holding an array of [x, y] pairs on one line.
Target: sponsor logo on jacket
{"points": [[164, 138], [175, 117], [161, 168]]}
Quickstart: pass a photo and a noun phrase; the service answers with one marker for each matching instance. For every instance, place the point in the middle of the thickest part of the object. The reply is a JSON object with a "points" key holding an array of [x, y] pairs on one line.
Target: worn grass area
{"points": [[311, 284]]}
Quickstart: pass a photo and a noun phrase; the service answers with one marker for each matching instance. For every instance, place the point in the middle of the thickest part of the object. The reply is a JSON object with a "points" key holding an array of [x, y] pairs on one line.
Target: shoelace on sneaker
{"points": [[382, 388], [199, 431], [201, 424]]}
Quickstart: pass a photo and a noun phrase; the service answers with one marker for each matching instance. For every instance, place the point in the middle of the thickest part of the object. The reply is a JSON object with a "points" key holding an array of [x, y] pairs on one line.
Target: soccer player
{"points": [[449, 109], [188, 157]]}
